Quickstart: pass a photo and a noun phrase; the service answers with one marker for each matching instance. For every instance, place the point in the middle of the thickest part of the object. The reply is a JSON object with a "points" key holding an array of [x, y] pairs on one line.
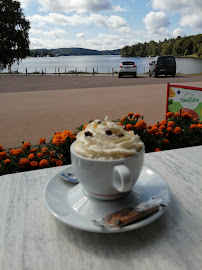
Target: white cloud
{"points": [[191, 11], [100, 42], [59, 19], [81, 35], [77, 5], [54, 33], [156, 22], [194, 20], [24, 3], [178, 32], [179, 5]]}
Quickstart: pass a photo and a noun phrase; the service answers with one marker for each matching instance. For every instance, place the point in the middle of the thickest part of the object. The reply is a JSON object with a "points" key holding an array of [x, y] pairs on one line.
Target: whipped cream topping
{"points": [[105, 140]]}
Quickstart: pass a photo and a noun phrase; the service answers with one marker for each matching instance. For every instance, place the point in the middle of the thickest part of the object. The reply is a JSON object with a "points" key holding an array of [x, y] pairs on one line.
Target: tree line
{"points": [[180, 46]]}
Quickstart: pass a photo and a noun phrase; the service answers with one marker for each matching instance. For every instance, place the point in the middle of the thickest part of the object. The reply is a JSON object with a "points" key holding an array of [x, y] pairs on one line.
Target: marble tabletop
{"points": [[31, 238]]}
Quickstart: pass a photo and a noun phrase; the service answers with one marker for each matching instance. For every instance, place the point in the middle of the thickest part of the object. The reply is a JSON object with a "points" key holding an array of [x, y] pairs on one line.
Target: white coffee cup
{"points": [[107, 179]]}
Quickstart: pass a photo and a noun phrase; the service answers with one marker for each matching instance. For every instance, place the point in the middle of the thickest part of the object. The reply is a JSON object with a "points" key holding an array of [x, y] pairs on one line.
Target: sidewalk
{"points": [[31, 115]]}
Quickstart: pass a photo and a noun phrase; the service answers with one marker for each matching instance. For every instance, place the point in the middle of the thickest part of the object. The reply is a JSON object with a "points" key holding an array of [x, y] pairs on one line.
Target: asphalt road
{"points": [[27, 83]]}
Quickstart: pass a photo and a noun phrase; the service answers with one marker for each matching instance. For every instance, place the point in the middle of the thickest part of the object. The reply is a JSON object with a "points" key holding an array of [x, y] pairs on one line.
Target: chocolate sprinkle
{"points": [[99, 122], [88, 134], [121, 135], [109, 132]]}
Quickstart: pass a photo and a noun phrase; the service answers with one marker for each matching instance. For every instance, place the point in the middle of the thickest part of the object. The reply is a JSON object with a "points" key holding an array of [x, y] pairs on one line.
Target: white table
{"points": [[31, 238]]}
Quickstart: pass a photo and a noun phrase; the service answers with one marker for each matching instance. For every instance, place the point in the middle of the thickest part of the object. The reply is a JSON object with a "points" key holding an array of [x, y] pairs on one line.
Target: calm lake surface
{"points": [[100, 64]]}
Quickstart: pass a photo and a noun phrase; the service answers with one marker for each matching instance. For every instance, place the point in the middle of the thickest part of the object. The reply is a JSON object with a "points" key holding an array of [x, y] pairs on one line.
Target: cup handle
{"points": [[122, 180]]}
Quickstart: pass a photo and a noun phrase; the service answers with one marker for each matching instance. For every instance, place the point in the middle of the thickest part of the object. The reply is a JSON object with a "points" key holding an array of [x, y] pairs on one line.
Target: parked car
{"points": [[127, 67], [165, 65]]}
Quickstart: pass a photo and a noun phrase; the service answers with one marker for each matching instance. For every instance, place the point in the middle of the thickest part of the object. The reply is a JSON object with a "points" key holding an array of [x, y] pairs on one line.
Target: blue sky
{"points": [[109, 24]]}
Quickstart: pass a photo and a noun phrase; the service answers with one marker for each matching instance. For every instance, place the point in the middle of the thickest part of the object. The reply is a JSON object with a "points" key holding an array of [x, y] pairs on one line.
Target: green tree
{"points": [[14, 33]]}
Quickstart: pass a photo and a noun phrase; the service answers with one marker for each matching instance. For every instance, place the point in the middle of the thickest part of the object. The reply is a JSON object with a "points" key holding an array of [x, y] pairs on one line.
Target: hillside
{"points": [[71, 51]]}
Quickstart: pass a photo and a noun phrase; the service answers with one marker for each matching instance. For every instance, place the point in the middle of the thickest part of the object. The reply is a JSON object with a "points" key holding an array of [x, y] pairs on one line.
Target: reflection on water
{"points": [[100, 64]]}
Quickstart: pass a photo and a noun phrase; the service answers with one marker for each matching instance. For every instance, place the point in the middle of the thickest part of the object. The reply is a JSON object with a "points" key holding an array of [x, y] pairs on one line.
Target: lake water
{"points": [[100, 64]]}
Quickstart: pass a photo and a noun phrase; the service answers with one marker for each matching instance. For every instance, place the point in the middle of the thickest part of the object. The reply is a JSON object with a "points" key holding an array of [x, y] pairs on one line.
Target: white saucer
{"points": [[69, 204]]}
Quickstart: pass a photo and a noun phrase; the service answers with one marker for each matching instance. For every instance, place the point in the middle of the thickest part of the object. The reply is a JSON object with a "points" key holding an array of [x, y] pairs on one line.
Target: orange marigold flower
{"points": [[58, 139], [24, 162], [59, 162], [177, 114], [45, 150], [130, 115], [129, 126], [43, 163], [156, 125], [165, 141], [84, 127], [152, 130], [185, 115], [53, 161], [169, 114], [163, 123], [123, 119], [33, 150], [67, 133], [169, 129], [26, 145], [31, 156], [7, 161], [1, 148], [171, 124], [157, 150], [149, 126], [162, 127], [42, 140], [137, 115], [120, 124], [16, 152], [39, 155], [177, 130], [34, 164], [141, 125], [199, 125], [3, 154], [52, 153], [193, 126]]}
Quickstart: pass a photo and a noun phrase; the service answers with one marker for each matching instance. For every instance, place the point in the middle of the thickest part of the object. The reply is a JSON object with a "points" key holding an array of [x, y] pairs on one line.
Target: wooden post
{"points": [[76, 71], [26, 71], [112, 72], [59, 71], [93, 71]]}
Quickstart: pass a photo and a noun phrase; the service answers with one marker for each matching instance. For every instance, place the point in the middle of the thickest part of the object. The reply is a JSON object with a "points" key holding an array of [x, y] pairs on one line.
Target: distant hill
{"points": [[71, 51]]}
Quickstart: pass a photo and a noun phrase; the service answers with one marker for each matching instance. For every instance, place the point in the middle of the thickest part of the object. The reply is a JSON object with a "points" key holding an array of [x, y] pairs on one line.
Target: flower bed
{"points": [[178, 130]]}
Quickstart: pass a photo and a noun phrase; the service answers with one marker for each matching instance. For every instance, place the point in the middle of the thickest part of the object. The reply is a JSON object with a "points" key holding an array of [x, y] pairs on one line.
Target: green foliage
{"points": [[14, 35], [181, 46], [176, 131]]}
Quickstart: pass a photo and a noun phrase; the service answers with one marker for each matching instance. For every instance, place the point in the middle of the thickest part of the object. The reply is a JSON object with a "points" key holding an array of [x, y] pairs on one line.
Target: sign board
{"points": [[187, 98]]}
